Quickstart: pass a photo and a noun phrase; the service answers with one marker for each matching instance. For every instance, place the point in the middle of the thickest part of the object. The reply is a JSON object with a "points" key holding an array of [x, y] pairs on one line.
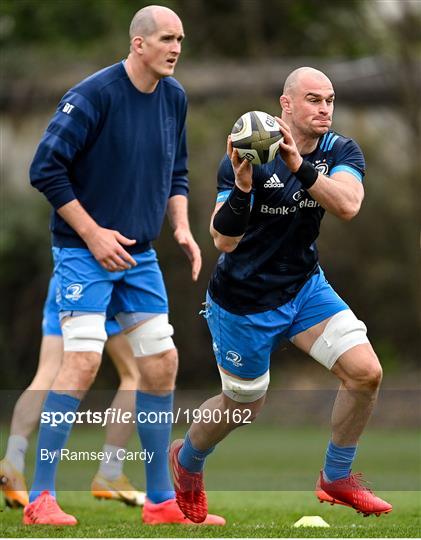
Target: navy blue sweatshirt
{"points": [[120, 152]]}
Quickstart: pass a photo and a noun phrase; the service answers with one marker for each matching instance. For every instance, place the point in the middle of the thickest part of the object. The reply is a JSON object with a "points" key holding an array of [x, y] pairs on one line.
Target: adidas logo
{"points": [[273, 182]]}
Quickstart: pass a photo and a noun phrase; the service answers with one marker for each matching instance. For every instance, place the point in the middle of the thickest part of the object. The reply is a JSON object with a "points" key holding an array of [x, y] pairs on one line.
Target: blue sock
{"points": [[338, 461], [51, 439], [191, 458], [155, 437]]}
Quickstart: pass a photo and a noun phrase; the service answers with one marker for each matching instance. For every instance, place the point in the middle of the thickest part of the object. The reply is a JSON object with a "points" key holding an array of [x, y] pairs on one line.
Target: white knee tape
{"points": [[342, 332], [244, 390], [152, 337], [84, 333]]}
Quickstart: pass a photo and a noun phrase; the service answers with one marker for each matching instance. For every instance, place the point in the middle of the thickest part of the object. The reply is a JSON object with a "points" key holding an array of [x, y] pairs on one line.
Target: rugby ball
{"points": [[256, 136]]}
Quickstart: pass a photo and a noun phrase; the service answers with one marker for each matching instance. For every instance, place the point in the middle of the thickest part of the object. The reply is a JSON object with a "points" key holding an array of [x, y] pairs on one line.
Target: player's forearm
{"points": [[226, 242], [177, 212], [78, 218], [222, 242], [338, 196]]}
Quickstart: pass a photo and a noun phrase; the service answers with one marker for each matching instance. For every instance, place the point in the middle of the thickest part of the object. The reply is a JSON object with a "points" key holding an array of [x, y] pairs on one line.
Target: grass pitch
{"points": [[262, 458], [248, 514]]}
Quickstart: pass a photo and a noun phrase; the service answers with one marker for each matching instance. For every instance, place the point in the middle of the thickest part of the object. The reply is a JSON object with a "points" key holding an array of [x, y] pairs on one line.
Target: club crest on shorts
{"points": [[74, 292], [234, 357]]}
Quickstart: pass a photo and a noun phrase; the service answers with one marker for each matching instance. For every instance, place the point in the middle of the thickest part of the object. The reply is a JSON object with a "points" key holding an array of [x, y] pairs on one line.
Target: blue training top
{"points": [[277, 253], [121, 152]]}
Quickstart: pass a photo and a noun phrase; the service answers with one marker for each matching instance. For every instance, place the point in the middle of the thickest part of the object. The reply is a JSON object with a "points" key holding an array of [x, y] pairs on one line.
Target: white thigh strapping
{"points": [[84, 333], [152, 337], [244, 390], [341, 333]]}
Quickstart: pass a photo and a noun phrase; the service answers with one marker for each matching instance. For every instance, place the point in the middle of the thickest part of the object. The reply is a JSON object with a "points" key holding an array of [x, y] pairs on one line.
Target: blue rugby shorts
{"points": [[242, 344], [51, 320], [84, 285]]}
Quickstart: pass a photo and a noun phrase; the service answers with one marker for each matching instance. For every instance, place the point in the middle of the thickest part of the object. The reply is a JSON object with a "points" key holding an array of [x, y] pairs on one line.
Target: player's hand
{"points": [[287, 147], [106, 246], [185, 238], [242, 168]]}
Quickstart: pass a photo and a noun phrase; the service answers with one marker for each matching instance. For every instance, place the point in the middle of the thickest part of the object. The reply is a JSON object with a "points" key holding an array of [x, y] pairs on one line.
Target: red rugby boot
{"points": [[189, 488], [350, 491], [45, 511], [324, 497]]}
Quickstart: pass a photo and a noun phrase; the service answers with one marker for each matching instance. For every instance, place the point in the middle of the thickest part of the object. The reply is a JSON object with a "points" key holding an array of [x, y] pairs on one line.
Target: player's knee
{"points": [[244, 390], [342, 332], [168, 365], [369, 376], [376, 375], [78, 370], [84, 333], [87, 364], [129, 381], [242, 413], [152, 337], [128, 374], [158, 372]]}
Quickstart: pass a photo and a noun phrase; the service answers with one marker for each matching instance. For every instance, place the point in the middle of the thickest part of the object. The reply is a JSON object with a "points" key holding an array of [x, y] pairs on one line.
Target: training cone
{"points": [[311, 521]]}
